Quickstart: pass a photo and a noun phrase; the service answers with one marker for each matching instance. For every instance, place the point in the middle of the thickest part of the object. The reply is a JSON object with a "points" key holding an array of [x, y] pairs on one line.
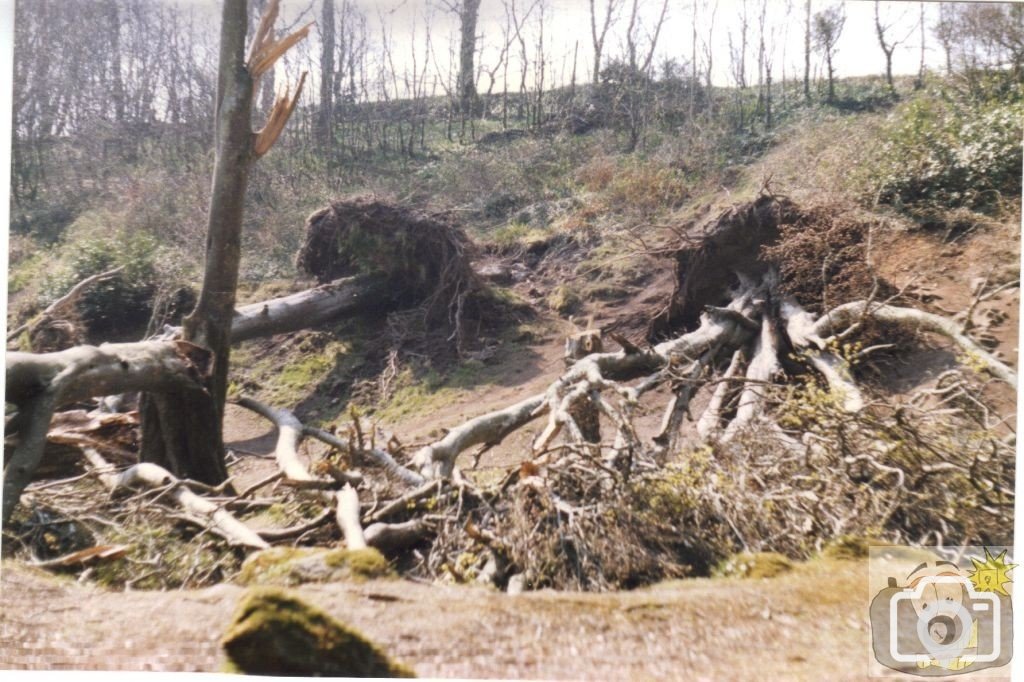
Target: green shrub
{"points": [[952, 152], [116, 306]]}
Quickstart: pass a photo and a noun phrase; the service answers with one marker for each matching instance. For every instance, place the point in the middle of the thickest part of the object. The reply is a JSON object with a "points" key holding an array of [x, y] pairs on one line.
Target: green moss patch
{"points": [[849, 548], [754, 565], [276, 633], [297, 565], [564, 300]]}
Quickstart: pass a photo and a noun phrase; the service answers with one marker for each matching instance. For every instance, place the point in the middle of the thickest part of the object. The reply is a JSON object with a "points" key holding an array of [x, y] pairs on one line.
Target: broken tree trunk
{"points": [[38, 384], [184, 435]]}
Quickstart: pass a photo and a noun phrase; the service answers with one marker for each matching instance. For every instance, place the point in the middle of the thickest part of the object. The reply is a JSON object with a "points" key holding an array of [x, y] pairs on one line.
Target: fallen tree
{"points": [[309, 308], [38, 385]]}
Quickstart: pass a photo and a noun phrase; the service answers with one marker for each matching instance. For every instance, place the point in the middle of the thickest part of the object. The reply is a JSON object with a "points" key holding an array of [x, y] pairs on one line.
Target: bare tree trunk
{"points": [[117, 87], [887, 49], [468, 100], [325, 115], [831, 78], [919, 82], [807, 54], [598, 38]]}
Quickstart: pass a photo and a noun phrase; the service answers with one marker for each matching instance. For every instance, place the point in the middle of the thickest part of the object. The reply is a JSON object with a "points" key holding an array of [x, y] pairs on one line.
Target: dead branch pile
{"points": [[426, 259]]}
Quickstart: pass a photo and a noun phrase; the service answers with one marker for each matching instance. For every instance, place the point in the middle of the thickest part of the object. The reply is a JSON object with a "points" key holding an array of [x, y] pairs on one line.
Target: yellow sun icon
{"points": [[991, 575]]}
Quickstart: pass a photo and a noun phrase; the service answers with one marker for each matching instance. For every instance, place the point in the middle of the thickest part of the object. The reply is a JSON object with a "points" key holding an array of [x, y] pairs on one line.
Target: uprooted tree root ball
{"points": [[821, 253], [426, 259]]}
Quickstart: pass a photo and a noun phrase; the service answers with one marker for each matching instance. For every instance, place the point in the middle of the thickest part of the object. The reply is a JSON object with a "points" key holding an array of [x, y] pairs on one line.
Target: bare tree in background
{"points": [[919, 81], [828, 27], [738, 63], [468, 12], [611, 7], [738, 53], [632, 96], [518, 26], [325, 115], [881, 28], [499, 64], [709, 53], [945, 31], [765, 60], [807, 52], [539, 66]]}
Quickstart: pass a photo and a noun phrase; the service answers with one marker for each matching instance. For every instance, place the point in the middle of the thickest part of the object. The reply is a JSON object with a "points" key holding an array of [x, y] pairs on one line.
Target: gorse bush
{"points": [[953, 153]]}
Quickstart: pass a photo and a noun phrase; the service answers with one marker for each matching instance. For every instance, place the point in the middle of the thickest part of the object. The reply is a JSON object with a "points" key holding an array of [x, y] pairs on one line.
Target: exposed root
{"points": [[850, 313], [425, 259]]}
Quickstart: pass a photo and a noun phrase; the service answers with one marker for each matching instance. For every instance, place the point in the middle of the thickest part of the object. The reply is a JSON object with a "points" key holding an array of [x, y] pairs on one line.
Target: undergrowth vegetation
{"points": [[950, 150]]}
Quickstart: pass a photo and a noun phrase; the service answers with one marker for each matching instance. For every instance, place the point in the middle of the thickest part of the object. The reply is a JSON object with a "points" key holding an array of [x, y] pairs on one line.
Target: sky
{"points": [[567, 31]]}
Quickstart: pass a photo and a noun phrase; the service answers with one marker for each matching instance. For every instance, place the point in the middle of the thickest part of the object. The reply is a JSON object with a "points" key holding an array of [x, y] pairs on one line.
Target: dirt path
{"points": [[803, 624]]}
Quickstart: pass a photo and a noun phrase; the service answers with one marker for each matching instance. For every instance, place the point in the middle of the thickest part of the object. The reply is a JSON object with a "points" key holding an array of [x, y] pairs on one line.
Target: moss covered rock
{"points": [[754, 565], [298, 565], [563, 299], [276, 633], [849, 547]]}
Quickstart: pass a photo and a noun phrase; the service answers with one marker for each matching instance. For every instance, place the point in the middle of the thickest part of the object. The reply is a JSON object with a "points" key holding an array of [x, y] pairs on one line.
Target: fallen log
{"points": [[306, 308], [394, 537], [38, 384]]}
